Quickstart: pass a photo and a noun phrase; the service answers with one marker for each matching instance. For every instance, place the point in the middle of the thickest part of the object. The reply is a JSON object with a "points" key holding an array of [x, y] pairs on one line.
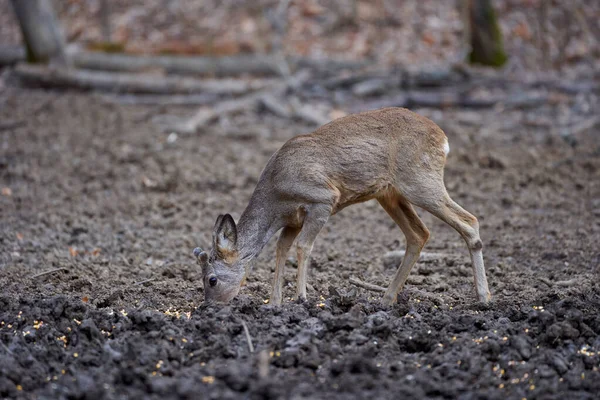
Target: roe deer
{"points": [[392, 155]]}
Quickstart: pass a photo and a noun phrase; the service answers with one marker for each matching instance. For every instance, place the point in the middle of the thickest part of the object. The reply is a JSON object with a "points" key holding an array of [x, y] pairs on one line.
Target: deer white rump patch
{"points": [[446, 147]]}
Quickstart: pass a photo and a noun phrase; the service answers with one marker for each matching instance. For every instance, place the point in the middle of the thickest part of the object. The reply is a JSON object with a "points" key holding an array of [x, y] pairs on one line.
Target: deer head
{"points": [[222, 268]]}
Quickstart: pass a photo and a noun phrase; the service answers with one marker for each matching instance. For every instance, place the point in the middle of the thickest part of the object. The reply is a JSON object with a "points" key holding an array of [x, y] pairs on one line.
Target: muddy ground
{"points": [[100, 296]]}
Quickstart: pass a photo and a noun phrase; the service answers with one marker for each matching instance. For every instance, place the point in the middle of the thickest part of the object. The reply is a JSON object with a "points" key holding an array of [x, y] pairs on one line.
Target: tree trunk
{"points": [[485, 35], [41, 31]]}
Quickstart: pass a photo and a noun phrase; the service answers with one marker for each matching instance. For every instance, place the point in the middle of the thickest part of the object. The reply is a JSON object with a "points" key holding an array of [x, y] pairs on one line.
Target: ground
{"points": [[100, 295]]}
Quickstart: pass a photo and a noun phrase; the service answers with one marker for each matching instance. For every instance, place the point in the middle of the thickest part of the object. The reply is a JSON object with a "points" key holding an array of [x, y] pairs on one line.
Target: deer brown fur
{"points": [[392, 155]]}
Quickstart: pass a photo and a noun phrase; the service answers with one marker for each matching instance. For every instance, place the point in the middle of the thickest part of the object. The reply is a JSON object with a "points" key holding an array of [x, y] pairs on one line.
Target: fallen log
{"points": [[433, 99], [11, 55], [252, 64], [129, 83], [197, 65], [161, 99]]}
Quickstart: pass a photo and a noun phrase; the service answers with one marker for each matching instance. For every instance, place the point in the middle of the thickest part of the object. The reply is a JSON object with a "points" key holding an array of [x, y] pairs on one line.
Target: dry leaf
{"points": [[96, 252], [522, 31], [85, 299], [428, 38], [73, 252]]}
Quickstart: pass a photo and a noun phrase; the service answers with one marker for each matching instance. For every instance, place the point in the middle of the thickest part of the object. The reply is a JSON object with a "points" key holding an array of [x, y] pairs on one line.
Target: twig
{"points": [[308, 113], [206, 115], [51, 271], [546, 281], [276, 106], [584, 125], [7, 349], [567, 283], [248, 338], [365, 285], [376, 288], [396, 256], [144, 281]]}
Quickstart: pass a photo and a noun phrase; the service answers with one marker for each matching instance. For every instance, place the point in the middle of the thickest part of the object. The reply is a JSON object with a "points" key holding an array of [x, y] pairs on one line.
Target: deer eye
{"points": [[212, 281]]}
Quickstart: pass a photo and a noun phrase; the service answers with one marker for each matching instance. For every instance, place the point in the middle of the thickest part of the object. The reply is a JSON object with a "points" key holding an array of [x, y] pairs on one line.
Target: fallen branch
{"points": [[546, 281], [567, 283], [248, 337], [130, 83], [206, 115], [376, 288], [161, 100], [51, 271], [395, 257], [525, 100], [275, 106], [253, 64], [7, 349], [365, 285], [143, 281], [583, 126], [197, 65], [8, 125], [308, 113], [11, 55], [432, 98]]}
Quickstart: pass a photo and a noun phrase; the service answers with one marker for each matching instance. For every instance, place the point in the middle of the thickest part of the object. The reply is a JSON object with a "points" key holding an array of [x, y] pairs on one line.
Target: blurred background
{"points": [[127, 127], [539, 35]]}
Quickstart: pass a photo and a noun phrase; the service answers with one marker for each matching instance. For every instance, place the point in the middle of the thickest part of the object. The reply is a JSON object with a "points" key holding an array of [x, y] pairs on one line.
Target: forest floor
{"points": [[100, 295]]}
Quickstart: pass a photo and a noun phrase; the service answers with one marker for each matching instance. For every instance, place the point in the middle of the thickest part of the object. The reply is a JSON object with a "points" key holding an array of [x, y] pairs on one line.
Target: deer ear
{"points": [[226, 235], [201, 256], [218, 223], [216, 230]]}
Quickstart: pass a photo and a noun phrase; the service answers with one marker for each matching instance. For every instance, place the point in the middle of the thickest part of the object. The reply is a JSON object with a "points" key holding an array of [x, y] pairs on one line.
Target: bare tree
{"points": [[41, 31], [482, 33]]}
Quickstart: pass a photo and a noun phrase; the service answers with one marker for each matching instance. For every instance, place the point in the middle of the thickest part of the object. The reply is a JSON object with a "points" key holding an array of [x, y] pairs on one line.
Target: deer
{"points": [[392, 155]]}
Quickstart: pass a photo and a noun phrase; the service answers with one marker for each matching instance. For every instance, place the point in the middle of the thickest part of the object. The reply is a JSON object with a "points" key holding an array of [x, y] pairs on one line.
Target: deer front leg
{"points": [[315, 219], [286, 238]]}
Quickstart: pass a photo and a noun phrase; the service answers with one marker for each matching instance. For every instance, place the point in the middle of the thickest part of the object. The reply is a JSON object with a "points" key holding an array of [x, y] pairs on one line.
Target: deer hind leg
{"points": [[416, 234], [434, 198], [314, 220], [286, 238]]}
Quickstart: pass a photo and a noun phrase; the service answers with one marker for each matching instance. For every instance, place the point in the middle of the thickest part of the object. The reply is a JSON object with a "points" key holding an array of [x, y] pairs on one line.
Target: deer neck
{"points": [[255, 227]]}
